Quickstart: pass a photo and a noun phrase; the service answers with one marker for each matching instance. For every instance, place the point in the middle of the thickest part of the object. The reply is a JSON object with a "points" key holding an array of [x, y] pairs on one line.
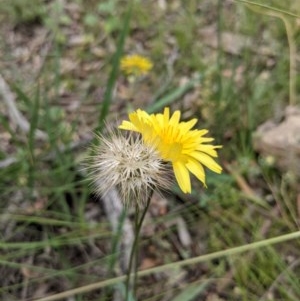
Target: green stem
{"points": [[134, 249], [136, 255]]}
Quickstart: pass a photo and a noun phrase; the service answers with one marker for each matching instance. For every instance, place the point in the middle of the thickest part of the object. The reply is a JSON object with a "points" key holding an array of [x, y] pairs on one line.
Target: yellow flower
{"points": [[177, 143], [136, 65]]}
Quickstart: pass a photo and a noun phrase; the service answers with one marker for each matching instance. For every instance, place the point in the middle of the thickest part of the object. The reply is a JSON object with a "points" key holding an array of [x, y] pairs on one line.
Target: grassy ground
{"points": [[229, 64]]}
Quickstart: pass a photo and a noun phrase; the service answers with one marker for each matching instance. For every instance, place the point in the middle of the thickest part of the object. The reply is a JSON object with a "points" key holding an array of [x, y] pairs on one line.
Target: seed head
{"points": [[130, 165]]}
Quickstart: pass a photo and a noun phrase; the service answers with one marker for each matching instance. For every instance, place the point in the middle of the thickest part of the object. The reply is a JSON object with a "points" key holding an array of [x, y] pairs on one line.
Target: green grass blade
{"points": [[115, 69], [192, 291], [173, 96], [31, 139], [275, 9]]}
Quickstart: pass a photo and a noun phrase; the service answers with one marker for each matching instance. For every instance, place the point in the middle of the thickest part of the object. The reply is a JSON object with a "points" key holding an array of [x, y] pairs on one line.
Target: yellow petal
{"points": [[197, 169], [127, 125], [208, 149], [186, 126], [207, 161], [158, 121], [138, 119], [182, 176], [174, 120], [203, 132], [166, 115]]}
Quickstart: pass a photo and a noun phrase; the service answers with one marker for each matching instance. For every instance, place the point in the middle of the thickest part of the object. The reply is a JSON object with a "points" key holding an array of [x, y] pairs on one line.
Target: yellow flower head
{"points": [[177, 143], [135, 65]]}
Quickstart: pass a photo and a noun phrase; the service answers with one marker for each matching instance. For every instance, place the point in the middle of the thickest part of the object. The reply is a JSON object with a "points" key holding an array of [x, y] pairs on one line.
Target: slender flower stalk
{"points": [[177, 143], [135, 169], [135, 249]]}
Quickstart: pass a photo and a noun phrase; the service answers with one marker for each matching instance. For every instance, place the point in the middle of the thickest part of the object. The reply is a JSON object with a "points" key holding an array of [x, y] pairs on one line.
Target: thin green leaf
{"points": [[173, 96], [269, 7], [192, 291], [115, 69], [31, 138]]}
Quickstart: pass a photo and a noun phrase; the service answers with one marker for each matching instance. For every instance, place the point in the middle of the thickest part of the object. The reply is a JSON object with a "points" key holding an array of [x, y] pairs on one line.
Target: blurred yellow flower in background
{"points": [[177, 143], [136, 65]]}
